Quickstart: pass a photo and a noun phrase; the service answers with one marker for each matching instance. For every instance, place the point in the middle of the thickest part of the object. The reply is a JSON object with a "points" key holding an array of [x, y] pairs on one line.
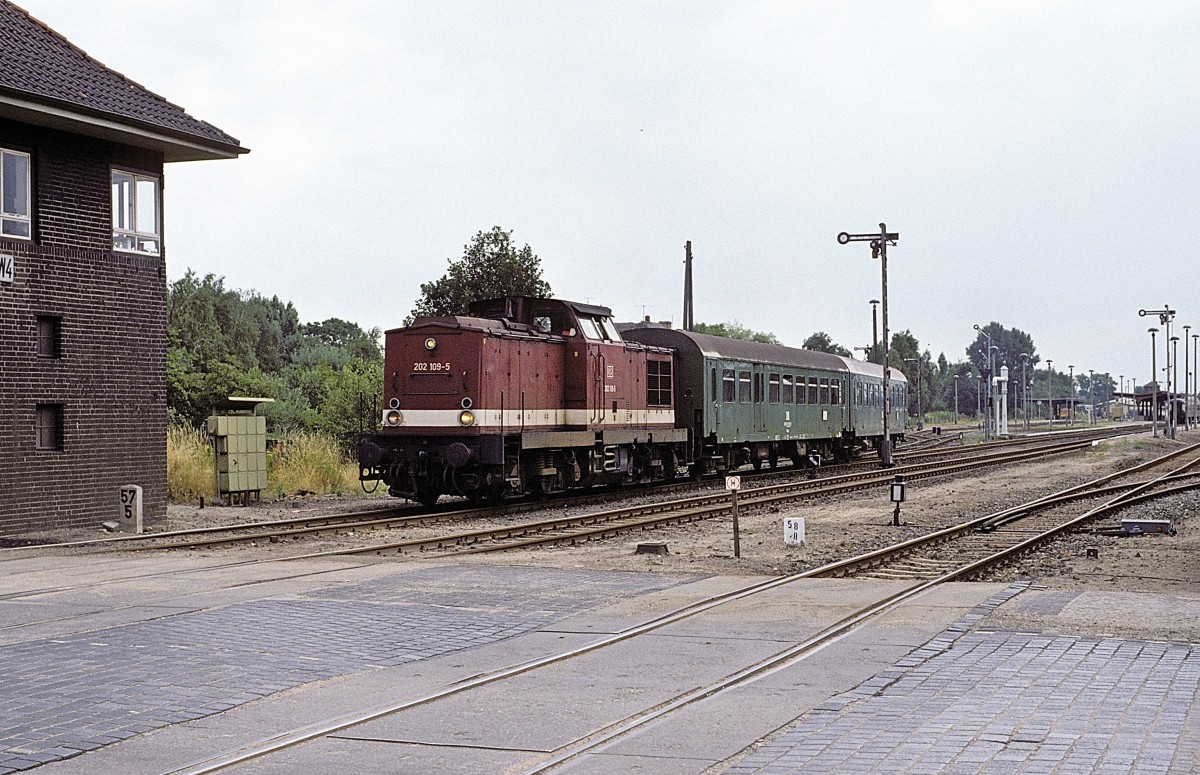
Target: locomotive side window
{"points": [[743, 387], [773, 388], [609, 330], [658, 383], [729, 386], [788, 396], [589, 328]]}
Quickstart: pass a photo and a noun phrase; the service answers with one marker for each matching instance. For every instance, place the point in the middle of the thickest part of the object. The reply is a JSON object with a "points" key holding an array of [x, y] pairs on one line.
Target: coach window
{"points": [[728, 386], [813, 397], [773, 388], [824, 391], [658, 383], [14, 194], [135, 213], [788, 396], [744, 395], [49, 427], [835, 392]]}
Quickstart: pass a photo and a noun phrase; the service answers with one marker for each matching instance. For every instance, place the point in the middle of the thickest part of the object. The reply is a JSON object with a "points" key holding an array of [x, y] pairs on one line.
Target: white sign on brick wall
{"points": [[7, 268]]}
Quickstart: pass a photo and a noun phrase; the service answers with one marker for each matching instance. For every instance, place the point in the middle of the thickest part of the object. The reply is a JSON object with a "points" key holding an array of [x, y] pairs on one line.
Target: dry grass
{"points": [[310, 463], [189, 466], [302, 463]]}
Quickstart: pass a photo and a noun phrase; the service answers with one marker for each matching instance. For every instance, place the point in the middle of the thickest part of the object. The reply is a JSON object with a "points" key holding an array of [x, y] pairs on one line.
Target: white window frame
{"points": [[135, 237], [26, 218]]}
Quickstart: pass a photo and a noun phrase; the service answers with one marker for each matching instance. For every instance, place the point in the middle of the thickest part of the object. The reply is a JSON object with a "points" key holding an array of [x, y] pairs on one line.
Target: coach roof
{"points": [[734, 349]]}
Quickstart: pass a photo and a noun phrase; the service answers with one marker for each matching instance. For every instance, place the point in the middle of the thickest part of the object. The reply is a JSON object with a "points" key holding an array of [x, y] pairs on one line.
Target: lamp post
{"points": [[987, 406], [1174, 377], [1050, 391], [1071, 397], [920, 414], [1025, 357], [1196, 366], [1121, 395], [1154, 377], [879, 245], [874, 330], [1187, 379], [956, 399], [1092, 397]]}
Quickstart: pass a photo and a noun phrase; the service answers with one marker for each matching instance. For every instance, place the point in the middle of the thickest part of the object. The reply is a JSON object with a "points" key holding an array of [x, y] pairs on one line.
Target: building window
{"points": [[49, 427], [135, 213], [49, 337], [658, 383], [14, 194]]}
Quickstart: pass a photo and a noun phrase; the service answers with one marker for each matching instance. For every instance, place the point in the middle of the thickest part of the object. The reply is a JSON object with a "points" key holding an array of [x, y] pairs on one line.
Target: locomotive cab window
{"points": [[658, 383]]}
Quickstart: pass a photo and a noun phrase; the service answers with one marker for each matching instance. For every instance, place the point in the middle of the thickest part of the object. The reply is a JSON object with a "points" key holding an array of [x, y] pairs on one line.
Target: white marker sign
{"points": [[733, 483]]}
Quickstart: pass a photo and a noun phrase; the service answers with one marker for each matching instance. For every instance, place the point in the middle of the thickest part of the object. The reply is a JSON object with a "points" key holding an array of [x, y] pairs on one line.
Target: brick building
{"points": [[82, 279]]}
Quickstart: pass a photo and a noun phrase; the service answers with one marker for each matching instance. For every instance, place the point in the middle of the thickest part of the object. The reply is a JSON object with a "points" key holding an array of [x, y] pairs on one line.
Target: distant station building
{"points": [[83, 390]]}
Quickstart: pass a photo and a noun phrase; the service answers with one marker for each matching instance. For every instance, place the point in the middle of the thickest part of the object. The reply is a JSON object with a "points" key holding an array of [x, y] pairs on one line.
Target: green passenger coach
{"points": [[750, 402]]}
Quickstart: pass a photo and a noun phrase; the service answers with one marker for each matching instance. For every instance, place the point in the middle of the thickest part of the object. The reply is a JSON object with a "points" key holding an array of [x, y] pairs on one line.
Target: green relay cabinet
{"points": [[240, 446]]}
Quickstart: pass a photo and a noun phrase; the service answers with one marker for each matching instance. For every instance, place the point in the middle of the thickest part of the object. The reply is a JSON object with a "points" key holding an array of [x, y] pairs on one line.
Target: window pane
{"points": [[48, 430], [744, 387], [773, 388], [15, 184], [728, 393], [147, 206], [14, 228], [122, 202]]}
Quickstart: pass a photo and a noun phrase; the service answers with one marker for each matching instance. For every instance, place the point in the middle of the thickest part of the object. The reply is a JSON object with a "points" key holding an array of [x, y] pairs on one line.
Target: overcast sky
{"points": [[1039, 159]]}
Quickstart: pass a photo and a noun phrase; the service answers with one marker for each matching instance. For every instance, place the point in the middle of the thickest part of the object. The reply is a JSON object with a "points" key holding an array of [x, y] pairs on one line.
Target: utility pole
{"points": [[688, 314], [879, 245]]}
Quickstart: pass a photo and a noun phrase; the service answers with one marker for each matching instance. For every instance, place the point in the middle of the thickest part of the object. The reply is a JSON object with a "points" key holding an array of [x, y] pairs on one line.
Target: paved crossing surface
{"points": [[146, 676]]}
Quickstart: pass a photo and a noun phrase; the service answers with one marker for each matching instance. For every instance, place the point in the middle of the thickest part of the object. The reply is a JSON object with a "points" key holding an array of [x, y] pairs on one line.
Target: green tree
{"points": [[735, 330], [822, 342], [491, 267]]}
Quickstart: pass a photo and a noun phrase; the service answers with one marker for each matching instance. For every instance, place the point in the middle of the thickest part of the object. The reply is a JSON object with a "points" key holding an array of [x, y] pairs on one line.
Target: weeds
{"points": [[301, 463]]}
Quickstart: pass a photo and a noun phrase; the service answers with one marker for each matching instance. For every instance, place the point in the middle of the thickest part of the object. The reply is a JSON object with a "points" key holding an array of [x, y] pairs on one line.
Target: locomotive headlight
{"points": [[392, 417], [430, 343], [466, 417]]}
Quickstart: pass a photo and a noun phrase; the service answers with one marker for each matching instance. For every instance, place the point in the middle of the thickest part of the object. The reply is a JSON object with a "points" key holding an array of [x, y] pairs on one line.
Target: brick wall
{"points": [[111, 378]]}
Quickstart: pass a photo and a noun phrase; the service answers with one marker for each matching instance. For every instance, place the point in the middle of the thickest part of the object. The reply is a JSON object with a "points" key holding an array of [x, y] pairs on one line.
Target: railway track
{"points": [[607, 524], [968, 548], [826, 481]]}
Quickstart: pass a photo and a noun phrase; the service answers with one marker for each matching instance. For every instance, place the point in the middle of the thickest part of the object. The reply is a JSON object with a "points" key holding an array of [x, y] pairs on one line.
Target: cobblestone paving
{"points": [[1003, 702], [63, 696]]}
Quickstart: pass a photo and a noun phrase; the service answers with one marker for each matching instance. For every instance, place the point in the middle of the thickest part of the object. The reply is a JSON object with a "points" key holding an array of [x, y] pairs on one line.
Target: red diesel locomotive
{"points": [[522, 396]]}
